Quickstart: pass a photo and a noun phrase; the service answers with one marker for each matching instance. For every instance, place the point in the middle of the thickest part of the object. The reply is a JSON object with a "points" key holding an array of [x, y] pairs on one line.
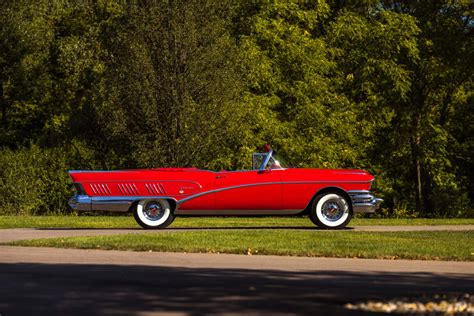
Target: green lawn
{"points": [[212, 222], [440, 245]]}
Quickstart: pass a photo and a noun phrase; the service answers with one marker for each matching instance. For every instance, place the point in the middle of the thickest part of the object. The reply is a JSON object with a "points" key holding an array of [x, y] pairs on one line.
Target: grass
{"points": [[440, 245], [199, 222]]}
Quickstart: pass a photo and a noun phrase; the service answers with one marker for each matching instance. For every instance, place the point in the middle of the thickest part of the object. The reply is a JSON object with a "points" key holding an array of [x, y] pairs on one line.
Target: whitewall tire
{"points": [[330, 210], [153, 213]]}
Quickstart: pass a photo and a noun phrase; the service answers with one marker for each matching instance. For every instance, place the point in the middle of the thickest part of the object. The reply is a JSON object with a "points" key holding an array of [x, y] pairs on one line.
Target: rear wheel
{"points": [[330, 210], [153, 214]]}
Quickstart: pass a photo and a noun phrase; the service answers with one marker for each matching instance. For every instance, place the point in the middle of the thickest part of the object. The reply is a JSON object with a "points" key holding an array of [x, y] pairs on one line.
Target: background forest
{"points": [[386, 86]]}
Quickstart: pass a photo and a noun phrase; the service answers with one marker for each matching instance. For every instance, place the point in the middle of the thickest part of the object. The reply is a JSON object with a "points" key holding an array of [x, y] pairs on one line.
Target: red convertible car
{"points": [[156, 196]]}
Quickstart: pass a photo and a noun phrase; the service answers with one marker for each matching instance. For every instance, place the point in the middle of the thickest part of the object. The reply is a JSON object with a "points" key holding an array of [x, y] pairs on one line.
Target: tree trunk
{"points": [[416, 160], [3, 104]]}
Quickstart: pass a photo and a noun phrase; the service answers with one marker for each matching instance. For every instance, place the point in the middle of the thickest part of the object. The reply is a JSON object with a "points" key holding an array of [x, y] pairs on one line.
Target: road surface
{"points": [[47, 281]]}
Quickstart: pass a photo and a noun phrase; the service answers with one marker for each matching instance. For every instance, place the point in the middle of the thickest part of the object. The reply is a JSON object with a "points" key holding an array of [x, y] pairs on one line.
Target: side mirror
{"points": [[266, 170]]}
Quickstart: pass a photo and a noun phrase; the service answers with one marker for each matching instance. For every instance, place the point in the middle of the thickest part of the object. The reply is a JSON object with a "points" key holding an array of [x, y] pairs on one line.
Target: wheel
{"points": [[330, 210], [151, 214]]}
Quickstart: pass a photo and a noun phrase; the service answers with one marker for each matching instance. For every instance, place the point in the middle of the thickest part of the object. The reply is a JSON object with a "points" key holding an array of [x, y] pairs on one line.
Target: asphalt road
{"points": [[7, 235], [46, 281]]}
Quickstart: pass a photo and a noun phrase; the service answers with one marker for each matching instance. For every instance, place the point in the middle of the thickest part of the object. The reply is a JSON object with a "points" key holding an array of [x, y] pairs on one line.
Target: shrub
{"points": [[34, 181]]}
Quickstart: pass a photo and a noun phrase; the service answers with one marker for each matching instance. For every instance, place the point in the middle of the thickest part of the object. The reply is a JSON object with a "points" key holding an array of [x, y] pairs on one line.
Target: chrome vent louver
{"points": [[100, 189], [128, 188], [155, 188]]}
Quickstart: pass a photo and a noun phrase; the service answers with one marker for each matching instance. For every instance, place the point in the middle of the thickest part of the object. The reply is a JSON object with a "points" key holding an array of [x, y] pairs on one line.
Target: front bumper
{"points": [[364, 202]]}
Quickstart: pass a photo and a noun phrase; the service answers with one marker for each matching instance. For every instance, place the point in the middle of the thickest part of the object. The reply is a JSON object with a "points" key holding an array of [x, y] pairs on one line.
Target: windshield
{"points": [[276, 162], [270, 160], [257, 160]]}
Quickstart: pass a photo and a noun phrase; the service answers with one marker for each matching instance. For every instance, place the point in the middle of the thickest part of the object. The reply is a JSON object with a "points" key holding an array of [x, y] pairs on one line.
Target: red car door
{"points": [[248, 190]]}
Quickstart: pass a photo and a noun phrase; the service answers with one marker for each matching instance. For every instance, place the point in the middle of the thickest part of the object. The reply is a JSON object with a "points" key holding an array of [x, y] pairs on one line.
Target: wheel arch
{"points": [[334, 189]]}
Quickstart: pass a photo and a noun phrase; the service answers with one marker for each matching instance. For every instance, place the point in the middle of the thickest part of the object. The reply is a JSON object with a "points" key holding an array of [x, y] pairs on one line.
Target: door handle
{"points": [[220, 177]]}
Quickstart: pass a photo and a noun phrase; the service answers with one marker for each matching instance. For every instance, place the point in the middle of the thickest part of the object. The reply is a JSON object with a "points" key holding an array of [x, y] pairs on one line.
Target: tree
{"points": [[24, 45], [407, 63], [441, 74], [372, 51], [172, 91], [290, 77], [380, 85]]}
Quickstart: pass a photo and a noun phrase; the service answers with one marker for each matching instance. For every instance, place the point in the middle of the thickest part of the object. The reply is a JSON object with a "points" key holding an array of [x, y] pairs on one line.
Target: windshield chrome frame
{"points": [[267, 159]]}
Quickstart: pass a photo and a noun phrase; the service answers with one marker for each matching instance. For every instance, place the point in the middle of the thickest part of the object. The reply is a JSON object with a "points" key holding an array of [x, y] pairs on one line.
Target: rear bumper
{"points": [[97, 203], [364, 202], [80, 203]]}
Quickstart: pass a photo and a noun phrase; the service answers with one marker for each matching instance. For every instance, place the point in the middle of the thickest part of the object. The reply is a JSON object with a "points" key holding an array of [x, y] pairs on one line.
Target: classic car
{"points": [[157, 196]]}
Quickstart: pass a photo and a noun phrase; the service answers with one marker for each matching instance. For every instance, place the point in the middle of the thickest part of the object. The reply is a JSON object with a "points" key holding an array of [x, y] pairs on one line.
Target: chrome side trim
{"points": [[363, 202], [324, 181]]}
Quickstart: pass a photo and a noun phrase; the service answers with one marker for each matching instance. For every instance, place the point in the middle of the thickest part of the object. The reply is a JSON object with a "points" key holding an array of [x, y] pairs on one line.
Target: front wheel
{"points": [[153, 214], [330, 210]]}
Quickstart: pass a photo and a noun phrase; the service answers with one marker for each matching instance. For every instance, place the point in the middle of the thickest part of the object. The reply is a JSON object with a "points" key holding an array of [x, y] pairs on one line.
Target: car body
{"points": [[156, 196]]}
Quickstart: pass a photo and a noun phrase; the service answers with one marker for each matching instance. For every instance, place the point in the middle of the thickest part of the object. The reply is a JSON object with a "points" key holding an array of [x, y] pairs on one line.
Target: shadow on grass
{"points": [[76, 289]]}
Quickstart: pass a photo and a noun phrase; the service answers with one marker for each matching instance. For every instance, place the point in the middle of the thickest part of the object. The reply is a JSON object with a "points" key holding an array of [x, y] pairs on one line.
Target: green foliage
{"points": [[289, 73], [179, 102], [33, 181], [381, 85]]}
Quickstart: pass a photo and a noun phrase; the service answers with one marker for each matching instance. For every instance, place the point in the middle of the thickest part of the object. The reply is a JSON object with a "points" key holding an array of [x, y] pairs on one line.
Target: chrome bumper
{"points": [[80, 203], [97, 203], [364, 202]]}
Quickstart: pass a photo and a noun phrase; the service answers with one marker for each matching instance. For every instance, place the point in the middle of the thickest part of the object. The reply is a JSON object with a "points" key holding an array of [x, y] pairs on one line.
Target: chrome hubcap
{"points": [[332, 210], [154, 211]]}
